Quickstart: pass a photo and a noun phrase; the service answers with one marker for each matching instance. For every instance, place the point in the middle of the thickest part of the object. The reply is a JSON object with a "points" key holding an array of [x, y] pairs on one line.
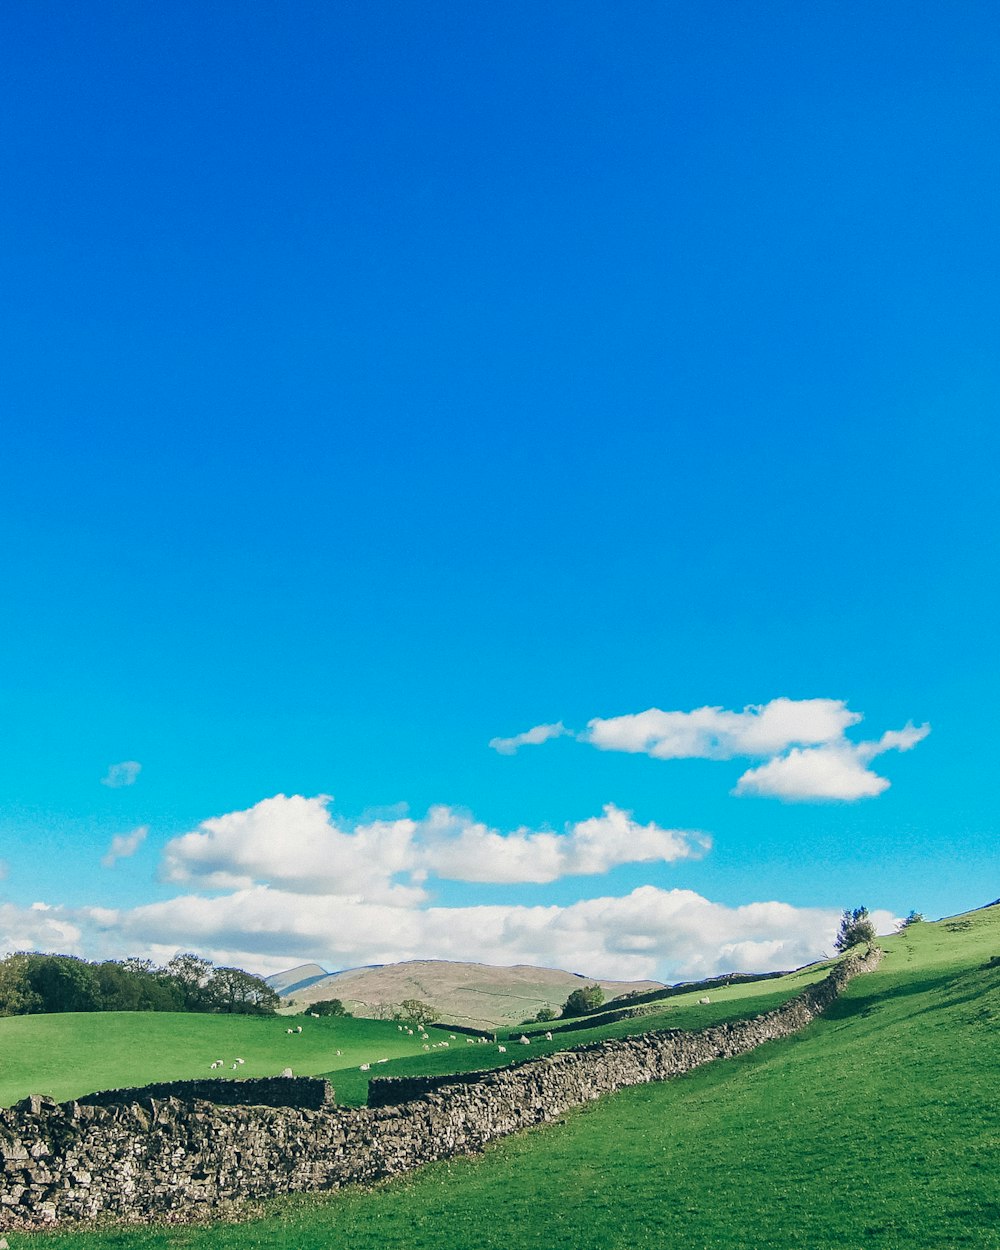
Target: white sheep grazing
{"points": [[524, 1040], [410, 1032], [340, 1052], [451, 1037], [426, 1047], [400, 1027], [704, 1000], [502, 1049], [235, 1066], [383, 1060], [548, 1037], [214, 1066], [365, 1067], [288, 1031], [299, 1029], [241, 1061], [314, 1014]]}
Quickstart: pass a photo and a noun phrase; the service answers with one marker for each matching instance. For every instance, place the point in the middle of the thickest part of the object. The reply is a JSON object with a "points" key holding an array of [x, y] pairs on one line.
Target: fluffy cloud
{"points": [[651, 932], [294, 843], [531, 737], [124, 845], [713, 733], [838, 771], [124, 774], [811, 757], [39, 928]]}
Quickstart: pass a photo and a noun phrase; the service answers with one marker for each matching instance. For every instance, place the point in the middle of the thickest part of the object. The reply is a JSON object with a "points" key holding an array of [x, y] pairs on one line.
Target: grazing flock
{"points": [[424, 1038]]}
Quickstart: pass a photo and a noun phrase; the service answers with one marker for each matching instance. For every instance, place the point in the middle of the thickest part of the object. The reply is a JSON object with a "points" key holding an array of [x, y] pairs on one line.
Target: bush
{"points": [[855, 927], [326, 1007], [582, 1001]]}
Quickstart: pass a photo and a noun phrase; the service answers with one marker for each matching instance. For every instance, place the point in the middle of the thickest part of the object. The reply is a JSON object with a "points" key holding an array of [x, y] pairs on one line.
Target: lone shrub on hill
{"points": [[855, 927], [327, 1007], [419, 1012], [582, 1001]]}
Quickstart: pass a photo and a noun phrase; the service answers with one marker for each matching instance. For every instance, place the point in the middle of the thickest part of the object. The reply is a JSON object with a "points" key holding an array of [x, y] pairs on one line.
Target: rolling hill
{"points": [[475, 995]]}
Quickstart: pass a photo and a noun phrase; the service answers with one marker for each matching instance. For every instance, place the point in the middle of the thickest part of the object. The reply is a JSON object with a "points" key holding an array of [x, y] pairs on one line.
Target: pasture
{"points": [[76, 1053], [877, 1128]]}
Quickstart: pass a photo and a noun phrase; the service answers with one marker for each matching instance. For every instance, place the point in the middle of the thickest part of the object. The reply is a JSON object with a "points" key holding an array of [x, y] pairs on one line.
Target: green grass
{"points": [[76, 1053], [877, 1128]]}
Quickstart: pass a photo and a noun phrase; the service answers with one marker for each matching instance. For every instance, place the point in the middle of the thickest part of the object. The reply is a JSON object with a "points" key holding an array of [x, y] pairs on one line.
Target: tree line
{"points": [[32, 983]]}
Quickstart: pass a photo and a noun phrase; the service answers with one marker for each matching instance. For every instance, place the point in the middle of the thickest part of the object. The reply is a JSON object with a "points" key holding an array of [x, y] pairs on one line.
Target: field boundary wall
{"points": [[176, 1160]]}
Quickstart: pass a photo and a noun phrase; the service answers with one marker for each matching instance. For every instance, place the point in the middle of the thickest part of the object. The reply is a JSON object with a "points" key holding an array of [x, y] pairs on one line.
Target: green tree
{"points": [[583, 1000], [17, 997], [419, 1012], [191, 976], [855, 927], [545, 1015], [64, 983], [236, 992], [327, 1007]]}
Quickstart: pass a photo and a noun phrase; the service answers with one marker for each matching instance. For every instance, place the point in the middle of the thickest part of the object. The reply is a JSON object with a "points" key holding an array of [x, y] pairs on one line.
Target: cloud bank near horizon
{"points": [[809, 757], [283, 882]]}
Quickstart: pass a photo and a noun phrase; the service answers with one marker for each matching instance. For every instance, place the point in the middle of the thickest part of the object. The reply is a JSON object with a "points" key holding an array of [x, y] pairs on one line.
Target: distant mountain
{"points": [[479, 995], [294, 979]]}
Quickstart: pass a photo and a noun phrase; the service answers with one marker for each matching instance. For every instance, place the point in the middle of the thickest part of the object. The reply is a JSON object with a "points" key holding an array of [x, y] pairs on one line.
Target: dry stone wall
{"points": [[267, 1091], [173, 1159]]}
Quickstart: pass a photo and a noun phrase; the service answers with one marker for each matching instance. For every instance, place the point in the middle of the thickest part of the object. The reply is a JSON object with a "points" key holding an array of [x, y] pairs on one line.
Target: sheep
{"points": [[383, 1061], [365, 1067], [410, 1032], [235, 1067], [451, 1037], [524, 1040], [502, 1049], [426, 1047], [340, 1052], [314, 1014], [548, 1037], [288, 1031], [299, 1029], [400, 1027], [704, 1000], [241, 1061]]}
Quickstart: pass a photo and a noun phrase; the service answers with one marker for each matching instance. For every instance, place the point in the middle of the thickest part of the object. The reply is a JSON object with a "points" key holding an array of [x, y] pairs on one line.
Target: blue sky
{"points": [[380, 382]]}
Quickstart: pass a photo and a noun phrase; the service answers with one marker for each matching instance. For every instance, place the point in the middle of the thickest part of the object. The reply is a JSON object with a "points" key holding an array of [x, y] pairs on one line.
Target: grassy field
{"points": [[877, 1128], [76, 1053]]}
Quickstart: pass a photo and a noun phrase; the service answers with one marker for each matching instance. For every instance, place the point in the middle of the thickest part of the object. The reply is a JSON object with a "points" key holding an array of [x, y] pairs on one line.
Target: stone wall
{"points": [[267, 1091], [176, 1160]]}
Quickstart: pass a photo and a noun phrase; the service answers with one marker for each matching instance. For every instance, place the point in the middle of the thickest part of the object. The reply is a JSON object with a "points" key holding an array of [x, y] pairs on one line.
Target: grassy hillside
{"points": [[76, 1053], [877, 1128]]}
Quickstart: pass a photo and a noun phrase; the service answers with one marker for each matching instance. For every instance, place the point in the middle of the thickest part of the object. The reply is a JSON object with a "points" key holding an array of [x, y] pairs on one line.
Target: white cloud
{"points": [[124, 774], [838, 771], [39, 928], [124, 845], [714, 733], [294, 843], [666, 934], [811, 757], [531, 737]]}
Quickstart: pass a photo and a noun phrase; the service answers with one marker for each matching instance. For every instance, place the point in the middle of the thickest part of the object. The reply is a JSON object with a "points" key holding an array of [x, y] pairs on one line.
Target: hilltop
{"points": [[477, 995]]}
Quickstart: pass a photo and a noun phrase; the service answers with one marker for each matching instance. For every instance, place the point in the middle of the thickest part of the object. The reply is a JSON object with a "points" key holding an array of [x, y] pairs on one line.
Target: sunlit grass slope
{"points": [[76, 1053], [877, 1128]]}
